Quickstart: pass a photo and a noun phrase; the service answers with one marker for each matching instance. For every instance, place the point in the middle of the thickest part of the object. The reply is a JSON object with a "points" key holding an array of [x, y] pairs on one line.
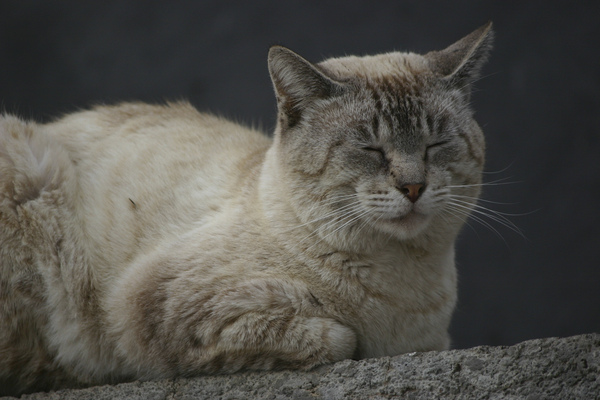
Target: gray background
{"points": [[538, 103]]}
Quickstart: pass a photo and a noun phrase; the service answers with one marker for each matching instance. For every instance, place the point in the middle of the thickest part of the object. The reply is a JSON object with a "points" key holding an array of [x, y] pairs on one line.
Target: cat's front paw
{"points": [[338, 339]]}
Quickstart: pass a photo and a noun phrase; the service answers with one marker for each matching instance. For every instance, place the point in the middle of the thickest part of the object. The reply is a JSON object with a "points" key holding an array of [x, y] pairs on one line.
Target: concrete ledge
{"points": [[554, 368]]}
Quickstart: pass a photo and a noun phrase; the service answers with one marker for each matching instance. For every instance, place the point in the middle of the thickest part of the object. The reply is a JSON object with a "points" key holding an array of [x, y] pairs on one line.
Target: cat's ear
{"points": [[297, 83], [460, 63]]}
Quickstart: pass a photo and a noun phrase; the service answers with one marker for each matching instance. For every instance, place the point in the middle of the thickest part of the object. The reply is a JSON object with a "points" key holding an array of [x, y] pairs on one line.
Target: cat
{"points": [[153, 241]]}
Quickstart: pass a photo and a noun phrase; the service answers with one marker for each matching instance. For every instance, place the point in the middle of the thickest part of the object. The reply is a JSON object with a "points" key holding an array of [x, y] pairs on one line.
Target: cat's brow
{"points": [[398, 106]]}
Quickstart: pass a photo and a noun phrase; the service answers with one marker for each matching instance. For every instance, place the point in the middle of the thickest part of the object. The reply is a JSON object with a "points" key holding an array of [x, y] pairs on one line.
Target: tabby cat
{"points": [[143, 241]]}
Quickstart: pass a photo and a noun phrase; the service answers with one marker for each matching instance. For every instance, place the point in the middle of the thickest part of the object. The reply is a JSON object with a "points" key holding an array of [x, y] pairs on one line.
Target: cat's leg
{"points": [[177, 327], [262, 340]]}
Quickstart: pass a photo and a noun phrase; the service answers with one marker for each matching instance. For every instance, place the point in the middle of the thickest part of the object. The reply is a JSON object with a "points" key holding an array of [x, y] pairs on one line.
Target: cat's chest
{"points": [[398, 305]]}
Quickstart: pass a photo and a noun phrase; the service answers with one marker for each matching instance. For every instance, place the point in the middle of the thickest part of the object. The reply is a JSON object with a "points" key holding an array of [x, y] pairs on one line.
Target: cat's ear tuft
{"points": [[297, 83], [460, 63]]}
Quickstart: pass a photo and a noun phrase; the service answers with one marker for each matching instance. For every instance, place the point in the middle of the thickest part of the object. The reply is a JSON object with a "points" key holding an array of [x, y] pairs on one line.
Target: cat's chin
{"points": [[407, 226]]}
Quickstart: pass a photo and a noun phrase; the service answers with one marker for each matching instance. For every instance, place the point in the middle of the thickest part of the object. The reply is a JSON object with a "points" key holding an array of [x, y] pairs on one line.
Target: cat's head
{"points": [[383, 144]]}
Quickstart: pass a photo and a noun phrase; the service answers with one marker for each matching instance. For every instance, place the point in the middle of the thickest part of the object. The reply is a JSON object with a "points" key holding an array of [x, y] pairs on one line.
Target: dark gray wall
{"points": [[538, 103]]}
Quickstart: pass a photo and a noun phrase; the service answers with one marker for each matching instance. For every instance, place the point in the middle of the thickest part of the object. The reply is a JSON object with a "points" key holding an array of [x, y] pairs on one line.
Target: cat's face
{"points": [[383, 144]]}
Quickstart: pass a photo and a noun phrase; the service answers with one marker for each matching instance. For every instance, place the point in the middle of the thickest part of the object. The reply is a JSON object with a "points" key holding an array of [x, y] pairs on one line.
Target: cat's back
{"points": [[149, 171], [147, 132]]}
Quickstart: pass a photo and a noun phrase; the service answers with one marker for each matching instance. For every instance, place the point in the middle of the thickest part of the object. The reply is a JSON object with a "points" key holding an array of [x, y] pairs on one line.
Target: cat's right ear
{"points": [[460, 64], [297, 83]]}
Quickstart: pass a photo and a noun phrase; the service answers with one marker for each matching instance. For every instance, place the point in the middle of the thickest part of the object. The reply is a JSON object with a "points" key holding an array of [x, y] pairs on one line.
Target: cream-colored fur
{"points": [[142, 241]]}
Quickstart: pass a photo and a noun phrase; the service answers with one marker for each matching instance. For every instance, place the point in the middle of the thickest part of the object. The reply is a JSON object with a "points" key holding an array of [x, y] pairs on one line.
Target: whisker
{"points": [[352, 218], [326, 216], [348, 215], [326, 226], [500, 171], [465, 219], [366, 221], [478, 219], [498, 183], [479, 206], [480, 199], [491, 214]]}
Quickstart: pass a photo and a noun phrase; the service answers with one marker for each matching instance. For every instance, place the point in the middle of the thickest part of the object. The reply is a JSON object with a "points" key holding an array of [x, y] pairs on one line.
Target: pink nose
{"points": [[413, 191]]}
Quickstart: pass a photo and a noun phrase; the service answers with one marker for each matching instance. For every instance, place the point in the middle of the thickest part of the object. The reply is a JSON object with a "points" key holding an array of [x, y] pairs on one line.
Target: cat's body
{"points": [[142, 241]]}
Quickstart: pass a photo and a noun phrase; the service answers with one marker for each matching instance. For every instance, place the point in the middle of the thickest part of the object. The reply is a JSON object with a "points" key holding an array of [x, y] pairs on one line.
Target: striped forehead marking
{"points": [[399, 113]]}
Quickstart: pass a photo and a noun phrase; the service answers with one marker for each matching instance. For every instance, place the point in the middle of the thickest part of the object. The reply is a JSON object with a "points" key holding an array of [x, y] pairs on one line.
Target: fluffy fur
{"points": [[142, 242]]}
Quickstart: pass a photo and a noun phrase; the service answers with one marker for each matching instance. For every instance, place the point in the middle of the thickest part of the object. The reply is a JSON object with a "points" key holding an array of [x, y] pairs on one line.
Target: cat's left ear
{"points": [[460, 63], [297, 83]]}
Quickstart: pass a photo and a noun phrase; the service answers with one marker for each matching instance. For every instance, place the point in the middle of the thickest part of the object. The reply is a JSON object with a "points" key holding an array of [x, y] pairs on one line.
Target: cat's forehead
{"points": [[395, 66], [392, 82], [393, 99]]}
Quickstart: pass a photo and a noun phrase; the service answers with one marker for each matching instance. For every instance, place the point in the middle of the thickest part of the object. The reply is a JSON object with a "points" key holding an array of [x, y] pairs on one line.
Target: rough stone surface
{"points": [[565, 368]]}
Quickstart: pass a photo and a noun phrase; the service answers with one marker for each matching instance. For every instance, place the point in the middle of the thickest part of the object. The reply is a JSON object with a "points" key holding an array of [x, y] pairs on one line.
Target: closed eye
{"points": [[438, 144], [374, 150], [433, 147]]}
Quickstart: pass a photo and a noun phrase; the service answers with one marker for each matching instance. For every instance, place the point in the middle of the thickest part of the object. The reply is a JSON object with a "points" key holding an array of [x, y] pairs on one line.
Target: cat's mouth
{"points": [[406, 226], [411, 215], [411, 219]]}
